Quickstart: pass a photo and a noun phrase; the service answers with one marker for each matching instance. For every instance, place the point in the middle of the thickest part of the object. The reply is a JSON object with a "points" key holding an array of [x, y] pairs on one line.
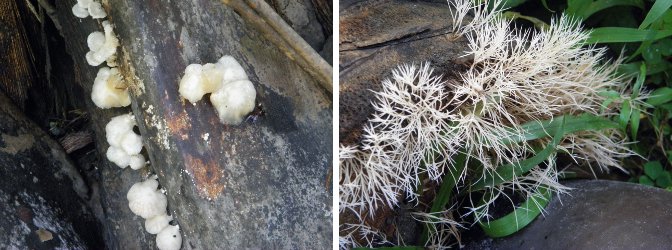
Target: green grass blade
{"points": [[657, 11], [640, 81], [634, 123], [535, 130], [444, 194], [624, 117], [660, 96], [519, 218], [624, 35], [509, 171]]}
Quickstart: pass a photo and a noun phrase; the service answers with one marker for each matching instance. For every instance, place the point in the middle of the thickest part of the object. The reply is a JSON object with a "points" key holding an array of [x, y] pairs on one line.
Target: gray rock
{"points": [[598, 214]]}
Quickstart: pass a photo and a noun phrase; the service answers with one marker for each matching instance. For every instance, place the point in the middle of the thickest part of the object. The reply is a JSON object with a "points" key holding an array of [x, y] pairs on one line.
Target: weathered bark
{"points": [[257, 185], [43, 198], [376, 37]]}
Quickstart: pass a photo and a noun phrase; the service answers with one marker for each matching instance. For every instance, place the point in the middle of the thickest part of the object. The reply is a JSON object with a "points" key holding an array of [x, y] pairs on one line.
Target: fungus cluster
{"points": [[146, 201], [233, 95], [125, 145], [85, 8], [103, 46], [109, 90]]}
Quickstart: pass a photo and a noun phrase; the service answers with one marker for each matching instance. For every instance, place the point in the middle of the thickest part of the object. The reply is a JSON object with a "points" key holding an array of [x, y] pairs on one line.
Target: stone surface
{"points": [[376, 37], [597, 215], [44, 202], [262, 184]]}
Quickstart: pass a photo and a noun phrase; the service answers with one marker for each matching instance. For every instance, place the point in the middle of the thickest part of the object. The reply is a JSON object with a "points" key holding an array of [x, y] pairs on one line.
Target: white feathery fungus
{"points": [[109, 91], [145, 200], [157, 223], [420, 123], [85, 8], [125, 145], [102, 46], [233, 95], [169, 238]]}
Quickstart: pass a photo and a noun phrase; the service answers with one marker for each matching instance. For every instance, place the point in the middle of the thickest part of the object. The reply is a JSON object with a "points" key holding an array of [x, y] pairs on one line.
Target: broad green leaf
{"points": [[660, 96], [623, 35], [664, 180], [585, 8], [656, 11], [653, 169], [646, 181], [519, 218]]}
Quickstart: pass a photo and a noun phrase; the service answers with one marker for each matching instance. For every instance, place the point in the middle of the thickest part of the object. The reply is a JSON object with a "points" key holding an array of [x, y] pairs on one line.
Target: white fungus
{"points": [[233, 95], [102, 46], [169, 238], [85, 8], [145, 200], [125, 145], [233, 101], [109, 91], [157, 223]]}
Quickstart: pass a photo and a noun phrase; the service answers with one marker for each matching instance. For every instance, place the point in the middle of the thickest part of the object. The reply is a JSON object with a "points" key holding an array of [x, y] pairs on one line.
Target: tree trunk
{"points": [[262, 184]]}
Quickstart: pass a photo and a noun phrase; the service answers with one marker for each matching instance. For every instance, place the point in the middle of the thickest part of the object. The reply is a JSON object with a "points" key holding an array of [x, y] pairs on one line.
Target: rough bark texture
{"points": [[43, 198], [257, 185], [376, 37]]}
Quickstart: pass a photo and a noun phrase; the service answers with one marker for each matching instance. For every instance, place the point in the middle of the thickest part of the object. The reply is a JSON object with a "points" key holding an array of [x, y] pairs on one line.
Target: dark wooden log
{"points": [[43, 198], [376, 37], [261, 184]]}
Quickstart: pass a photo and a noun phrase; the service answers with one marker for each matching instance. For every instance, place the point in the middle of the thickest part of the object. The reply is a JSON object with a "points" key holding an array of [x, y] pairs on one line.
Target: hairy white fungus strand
{"points": [[109, 91], [233, 95], [169, 238]]}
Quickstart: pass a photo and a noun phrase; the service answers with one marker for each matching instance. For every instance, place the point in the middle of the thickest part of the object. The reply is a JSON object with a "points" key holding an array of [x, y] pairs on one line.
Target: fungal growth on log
{"points": [[233, 95]]}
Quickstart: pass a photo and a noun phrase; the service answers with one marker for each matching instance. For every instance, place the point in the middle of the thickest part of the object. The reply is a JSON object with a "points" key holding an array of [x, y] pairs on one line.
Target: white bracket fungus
{"points": [[103, 46], [169, 238], [145, 200], [85, 8], [233, 95], [109, 91], [125, 145]]}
